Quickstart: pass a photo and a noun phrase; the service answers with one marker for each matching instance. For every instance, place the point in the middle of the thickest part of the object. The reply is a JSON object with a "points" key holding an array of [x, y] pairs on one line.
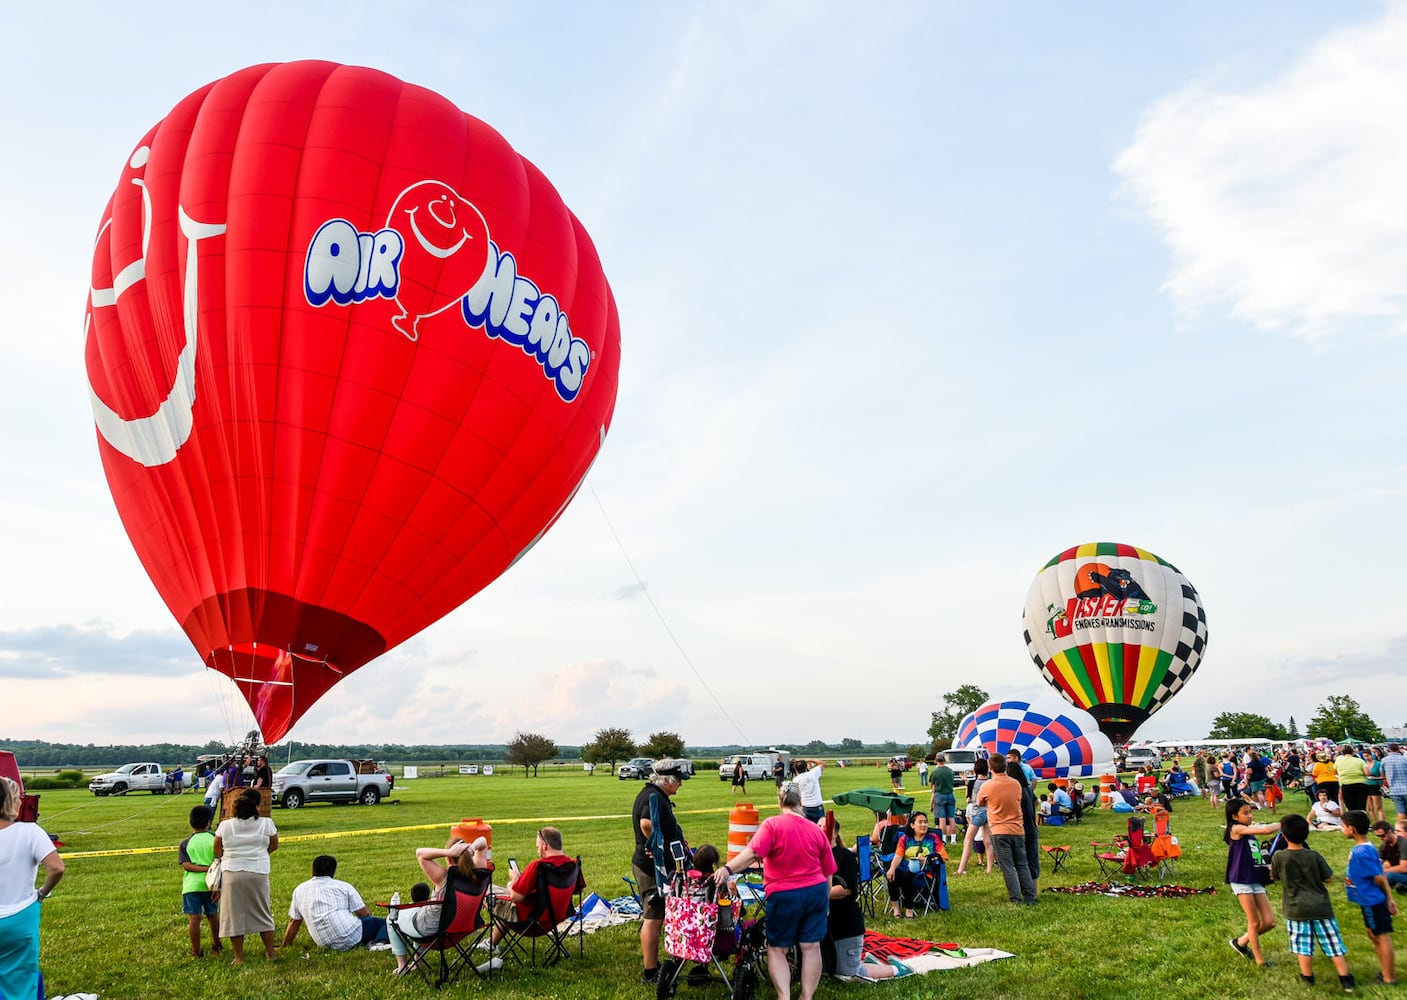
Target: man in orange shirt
{"points": [[1002, 797]]}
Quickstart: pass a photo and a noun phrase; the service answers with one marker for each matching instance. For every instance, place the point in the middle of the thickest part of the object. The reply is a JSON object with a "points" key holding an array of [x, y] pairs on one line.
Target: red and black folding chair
{"points": [[556, 896], [462, 926]]}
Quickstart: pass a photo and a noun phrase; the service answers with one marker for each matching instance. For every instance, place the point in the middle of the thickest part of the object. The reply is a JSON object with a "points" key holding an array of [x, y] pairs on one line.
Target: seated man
{"points": [[523, 890], [1390, 850], [1326, 814], [1060, 802], [336, 916]]}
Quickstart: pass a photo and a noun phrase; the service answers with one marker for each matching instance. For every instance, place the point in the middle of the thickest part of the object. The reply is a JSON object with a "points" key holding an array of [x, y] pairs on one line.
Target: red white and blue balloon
{"points": [[1054, 738]]}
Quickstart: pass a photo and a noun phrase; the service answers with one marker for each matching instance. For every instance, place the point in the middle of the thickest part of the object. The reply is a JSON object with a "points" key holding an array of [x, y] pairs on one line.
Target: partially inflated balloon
{"points": [[349, 355], [1116, 630], [1057, 741]]}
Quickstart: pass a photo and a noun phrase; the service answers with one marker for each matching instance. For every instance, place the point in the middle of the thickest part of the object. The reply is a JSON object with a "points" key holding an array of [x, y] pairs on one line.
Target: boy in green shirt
{"points": [[1309, 913], [196, 854]]}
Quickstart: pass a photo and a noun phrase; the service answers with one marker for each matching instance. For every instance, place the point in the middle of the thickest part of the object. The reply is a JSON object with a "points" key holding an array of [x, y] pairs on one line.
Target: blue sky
{"points": [[912, 298]]}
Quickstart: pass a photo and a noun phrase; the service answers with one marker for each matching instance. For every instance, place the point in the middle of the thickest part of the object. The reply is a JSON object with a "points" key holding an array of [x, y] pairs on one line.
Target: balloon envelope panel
{"points": [[349, 356], [1057, 741], [1116, 630]]}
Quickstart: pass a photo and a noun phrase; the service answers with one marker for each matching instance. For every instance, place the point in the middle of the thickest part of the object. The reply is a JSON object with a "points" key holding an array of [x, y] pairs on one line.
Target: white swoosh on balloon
{"points": [[429, 247], [154, 440]]}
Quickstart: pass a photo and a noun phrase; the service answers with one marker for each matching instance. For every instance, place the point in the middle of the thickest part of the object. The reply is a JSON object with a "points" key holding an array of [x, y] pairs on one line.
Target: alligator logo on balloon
{"points": [[1116, 630]]}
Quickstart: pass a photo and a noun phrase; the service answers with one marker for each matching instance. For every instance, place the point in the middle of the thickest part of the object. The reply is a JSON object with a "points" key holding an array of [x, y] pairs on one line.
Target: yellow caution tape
{"points": [[535, 820]]}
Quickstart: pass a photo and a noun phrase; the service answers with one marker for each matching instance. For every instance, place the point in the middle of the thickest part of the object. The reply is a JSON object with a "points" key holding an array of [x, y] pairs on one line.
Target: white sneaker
{"points": [[492, 965], [484, 943]]}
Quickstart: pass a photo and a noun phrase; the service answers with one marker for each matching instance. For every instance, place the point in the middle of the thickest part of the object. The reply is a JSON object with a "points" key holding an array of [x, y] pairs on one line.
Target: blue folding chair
{"points": [[873, 886]]}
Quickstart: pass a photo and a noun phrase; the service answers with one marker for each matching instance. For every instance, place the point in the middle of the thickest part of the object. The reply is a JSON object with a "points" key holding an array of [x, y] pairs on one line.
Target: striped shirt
{"points": [[328, 906]]}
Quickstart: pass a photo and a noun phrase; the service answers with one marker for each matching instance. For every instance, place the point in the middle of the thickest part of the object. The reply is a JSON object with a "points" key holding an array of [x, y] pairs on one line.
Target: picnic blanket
{"points": [[1129, 889], [597, 913], [922, 957]]}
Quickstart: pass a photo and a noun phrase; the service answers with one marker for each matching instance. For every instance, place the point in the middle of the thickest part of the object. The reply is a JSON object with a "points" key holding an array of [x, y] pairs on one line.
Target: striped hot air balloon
{"points": [[1057, 741], [1116, 630]]}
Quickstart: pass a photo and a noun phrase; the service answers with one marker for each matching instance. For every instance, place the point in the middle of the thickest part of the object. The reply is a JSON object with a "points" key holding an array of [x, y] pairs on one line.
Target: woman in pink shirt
{"points": [[797, 865]]}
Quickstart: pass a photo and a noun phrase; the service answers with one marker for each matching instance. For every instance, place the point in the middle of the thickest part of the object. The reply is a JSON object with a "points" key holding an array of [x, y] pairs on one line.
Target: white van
{"points": [[757, 766], [960, 762]]}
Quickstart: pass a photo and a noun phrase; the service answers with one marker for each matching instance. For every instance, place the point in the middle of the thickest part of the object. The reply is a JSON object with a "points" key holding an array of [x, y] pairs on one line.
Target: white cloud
{"points": [[1285, 201]]}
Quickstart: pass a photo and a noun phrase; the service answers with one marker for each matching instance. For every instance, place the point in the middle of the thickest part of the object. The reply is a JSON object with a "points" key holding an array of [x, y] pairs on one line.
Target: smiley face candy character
{"points": [[446, 251]]}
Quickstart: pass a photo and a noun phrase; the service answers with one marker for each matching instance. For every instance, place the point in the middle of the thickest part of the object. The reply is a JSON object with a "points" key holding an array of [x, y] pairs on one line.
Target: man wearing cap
{"points": [[658, 843], [1395, 778]]}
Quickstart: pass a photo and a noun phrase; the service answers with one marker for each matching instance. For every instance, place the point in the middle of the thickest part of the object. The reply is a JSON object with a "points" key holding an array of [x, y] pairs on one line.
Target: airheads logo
{"points": [[1104, 598], [433, 253]]}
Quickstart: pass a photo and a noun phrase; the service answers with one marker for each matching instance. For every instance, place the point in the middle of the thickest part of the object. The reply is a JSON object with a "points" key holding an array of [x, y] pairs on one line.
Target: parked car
{"points": [[904, 761], [635, 767], [305, 781], [143, 777]]}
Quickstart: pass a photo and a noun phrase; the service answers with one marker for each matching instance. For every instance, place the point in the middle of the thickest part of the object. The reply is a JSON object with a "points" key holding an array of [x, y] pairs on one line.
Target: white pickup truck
{"points": [[143, 777], [331, 781]]}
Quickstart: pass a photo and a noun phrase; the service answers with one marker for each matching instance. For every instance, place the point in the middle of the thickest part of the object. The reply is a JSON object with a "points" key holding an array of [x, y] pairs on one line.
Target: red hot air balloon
{"points": [[349, 355]]}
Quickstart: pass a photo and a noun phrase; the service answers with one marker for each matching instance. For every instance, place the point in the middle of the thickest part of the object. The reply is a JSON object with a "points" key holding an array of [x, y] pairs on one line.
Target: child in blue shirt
{"points": [[1367, 886]]}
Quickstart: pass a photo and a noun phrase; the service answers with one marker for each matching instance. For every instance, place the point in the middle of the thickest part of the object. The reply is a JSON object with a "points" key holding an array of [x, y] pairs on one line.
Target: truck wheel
{"points": [[292, 799], [119, 789], [371, 796]]}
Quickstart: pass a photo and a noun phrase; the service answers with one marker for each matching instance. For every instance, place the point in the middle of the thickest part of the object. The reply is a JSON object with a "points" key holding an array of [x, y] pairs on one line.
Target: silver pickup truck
{"points": [[144, 777], [331, 781]]}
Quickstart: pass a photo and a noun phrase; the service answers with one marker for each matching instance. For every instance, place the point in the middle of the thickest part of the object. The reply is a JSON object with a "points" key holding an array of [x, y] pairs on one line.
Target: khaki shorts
{"points": [[651, 899]]}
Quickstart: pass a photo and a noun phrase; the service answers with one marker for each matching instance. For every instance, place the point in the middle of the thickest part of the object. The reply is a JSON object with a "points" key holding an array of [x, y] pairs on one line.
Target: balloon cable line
{"points": [[659, 614]]}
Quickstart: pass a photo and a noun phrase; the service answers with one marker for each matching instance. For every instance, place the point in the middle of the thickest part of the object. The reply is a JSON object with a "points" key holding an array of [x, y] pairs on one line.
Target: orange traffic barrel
{"points": [[1107, 784], [742, 824], [470, 830]]}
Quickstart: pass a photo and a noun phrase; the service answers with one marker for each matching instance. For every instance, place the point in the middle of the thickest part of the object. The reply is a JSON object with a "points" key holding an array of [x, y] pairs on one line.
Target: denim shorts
{"points": [[198, 904], [944, 806], [798, 916], [1247, 889]]}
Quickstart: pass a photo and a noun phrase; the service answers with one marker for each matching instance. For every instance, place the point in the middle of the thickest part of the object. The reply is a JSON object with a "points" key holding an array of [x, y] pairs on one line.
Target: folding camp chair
{"points": [[1165, 846], [931, 886], [555, 897], [1139, 862], [1110, 857], [872, 887], [462, 926], [1058, 856]]}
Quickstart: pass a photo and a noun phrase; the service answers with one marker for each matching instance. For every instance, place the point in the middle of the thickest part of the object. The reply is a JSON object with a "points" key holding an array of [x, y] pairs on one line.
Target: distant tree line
{"points": [[610, 746], [39, 753]]}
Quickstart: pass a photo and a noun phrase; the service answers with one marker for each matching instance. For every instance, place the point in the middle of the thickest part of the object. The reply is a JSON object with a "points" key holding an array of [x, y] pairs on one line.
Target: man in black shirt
{"points": [[659, 844]]}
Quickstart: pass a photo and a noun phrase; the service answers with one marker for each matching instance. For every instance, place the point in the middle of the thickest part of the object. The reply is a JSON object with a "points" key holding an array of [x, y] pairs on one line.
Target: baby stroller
{"points": [[700, 928]]}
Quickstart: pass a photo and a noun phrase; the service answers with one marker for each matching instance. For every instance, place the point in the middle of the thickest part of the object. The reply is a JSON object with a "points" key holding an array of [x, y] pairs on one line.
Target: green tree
{"points": [[851, 745], [815, 748], [1292, 731], [956, 704], [609, 746], [1340, 717], [1244, 726], [530, 750], [663, 744]]}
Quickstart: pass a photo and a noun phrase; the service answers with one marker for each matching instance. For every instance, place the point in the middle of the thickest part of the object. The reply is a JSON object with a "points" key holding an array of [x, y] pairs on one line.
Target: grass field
{"points": [[114, 925]]}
